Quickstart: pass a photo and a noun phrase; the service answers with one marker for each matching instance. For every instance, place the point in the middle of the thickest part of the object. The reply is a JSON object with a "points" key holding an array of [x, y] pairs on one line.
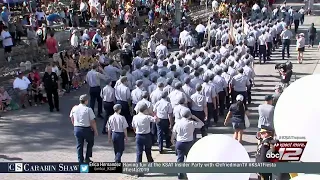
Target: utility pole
{"points": [[178, 12]]}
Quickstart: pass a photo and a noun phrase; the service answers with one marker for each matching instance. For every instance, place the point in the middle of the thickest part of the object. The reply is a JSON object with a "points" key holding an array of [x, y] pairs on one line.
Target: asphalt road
{"points": [[36, 135]]}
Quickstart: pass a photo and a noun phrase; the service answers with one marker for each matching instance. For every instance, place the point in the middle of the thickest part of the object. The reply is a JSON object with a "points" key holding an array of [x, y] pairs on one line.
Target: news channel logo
{"points": [[15, 167], [84, 168]]}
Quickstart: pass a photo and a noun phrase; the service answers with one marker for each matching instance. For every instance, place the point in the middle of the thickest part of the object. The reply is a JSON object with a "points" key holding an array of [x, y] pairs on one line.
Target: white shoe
{"points": [[9, 59]]}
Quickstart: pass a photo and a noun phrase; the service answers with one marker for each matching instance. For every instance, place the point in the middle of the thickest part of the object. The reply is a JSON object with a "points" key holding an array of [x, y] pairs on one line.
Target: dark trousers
{"points": [[262, 53], [302, 19], [54, 93], [249, 93], [84, 134], [296, 25], [218, 43], [143, 142], [251, 49], [285, 46], [163, 133], [256, 46], [222, 100], [153, 133], [200, 39], [203, 129], [213, 42], [85, 16], [113, 83], [182, 150], [108, 109], [269, 50], [95, 95], [311, 40], [118, 145], [125, 111], [210, 113]]}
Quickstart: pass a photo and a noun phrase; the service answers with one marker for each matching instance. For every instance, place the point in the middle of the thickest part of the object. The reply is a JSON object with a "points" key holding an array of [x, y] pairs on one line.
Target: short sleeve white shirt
{"points": [[8, 41], [22, 83]]}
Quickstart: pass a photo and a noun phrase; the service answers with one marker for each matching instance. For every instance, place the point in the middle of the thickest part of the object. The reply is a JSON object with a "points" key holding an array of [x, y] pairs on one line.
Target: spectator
{"points": [[52, 45], [7, 43], [5, 99], [266, 112], [21, 85], [237, 113]]}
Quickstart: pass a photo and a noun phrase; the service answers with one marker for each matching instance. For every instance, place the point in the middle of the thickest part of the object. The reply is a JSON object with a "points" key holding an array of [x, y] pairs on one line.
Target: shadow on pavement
{"points": [[7, 158]]}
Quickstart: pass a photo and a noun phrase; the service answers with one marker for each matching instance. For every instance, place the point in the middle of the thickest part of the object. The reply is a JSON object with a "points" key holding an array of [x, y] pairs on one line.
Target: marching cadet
{"points": [[137, 74], [211, 98], [112, 71], [222, 91], [239, 83], [196, 79], [168, 87], [183, 132], [162, 77], [155, 96], [141, 125], [187, 89], [146, 82], [199, 108], [265, 136], [123, 97], [145, 101], [251, 43], [93, 79], [153, 85], [175, 95], [231, 70], [136, 94], [177, 109], [117, 132], [214, 87], [249, 72], [227, 78], [85, 128], [163, 111], [108, 96]]}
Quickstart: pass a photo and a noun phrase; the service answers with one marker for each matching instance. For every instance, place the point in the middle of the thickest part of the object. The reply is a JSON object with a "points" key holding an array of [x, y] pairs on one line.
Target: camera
{"points": [[279, 66]]}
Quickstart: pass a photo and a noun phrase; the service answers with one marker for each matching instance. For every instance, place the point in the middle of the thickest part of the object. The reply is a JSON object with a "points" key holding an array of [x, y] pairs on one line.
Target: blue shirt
{"points": [[53, 17], [5, 16]]}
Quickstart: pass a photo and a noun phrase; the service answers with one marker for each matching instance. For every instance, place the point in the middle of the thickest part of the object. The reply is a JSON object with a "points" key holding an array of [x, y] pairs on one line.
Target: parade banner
{"points": [[159, 167]]}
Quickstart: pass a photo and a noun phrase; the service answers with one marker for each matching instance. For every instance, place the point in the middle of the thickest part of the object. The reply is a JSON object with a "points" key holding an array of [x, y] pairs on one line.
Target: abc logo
{"points": [[273, 155]]}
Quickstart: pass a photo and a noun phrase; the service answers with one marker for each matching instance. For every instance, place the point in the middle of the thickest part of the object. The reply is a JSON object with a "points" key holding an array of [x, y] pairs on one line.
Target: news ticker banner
{"points": [[159, 167]]}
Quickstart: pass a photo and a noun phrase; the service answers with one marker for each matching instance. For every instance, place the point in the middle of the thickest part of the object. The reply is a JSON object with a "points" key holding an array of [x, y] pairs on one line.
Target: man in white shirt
{"points": [[74, 40], [152, 47], [182, 35], [21, 85], [201, 29], [6, 43], [84, 10], [215, 5], [189, 41]]}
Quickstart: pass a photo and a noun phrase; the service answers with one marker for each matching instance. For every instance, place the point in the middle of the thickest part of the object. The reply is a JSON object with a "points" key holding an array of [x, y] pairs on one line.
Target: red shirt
{"points": [[51, 45]]}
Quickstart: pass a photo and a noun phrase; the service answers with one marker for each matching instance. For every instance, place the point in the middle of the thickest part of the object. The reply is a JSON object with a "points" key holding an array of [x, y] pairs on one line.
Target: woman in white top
{"points": [[300, 47]]}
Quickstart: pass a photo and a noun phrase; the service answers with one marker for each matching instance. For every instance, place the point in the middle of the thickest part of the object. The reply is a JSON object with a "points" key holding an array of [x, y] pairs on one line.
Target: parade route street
{"points": [[36, 135]]}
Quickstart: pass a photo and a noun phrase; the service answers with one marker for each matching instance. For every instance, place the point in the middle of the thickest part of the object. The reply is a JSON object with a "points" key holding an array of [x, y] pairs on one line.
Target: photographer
{"points": [[285, 71]]}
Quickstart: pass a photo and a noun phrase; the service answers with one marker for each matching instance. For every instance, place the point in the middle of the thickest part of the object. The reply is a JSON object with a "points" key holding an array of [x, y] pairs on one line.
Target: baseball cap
{"points": [[83, 97], [239, 97], [268, 97], [266, 129]]}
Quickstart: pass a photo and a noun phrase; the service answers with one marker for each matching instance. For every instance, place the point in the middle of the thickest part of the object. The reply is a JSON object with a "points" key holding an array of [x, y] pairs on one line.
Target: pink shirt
{"points": [[51, 45], [4, 96]]}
